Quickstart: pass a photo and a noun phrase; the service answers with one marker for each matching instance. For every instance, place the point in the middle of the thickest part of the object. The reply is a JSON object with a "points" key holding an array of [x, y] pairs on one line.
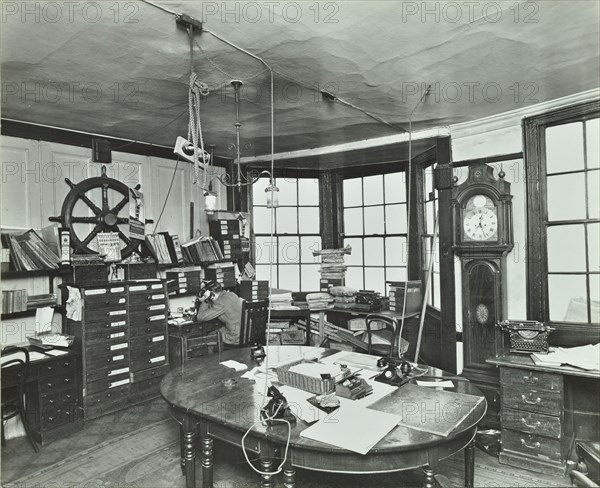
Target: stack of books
{"points": [[201, 250], [333, 269], [413, 296], [14, 301], [254, 290], [223, 273], [43, 300], [282, 301], [165, 248], [28, 252], [318, 301], [184, 280]]}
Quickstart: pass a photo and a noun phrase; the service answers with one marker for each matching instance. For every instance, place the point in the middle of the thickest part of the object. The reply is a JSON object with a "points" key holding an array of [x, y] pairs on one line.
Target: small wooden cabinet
{"points": [[122, 335], [193, 339]]}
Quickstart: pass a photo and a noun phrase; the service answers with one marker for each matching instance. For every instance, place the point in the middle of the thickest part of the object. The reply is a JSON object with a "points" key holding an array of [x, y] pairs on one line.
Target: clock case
{"points": [[483, 276]]}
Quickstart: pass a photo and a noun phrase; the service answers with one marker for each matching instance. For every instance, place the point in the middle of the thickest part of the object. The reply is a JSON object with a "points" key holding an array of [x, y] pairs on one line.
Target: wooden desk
{"points": [[192, 339], [539, 413], [53, 401], [204, 405], [294, 314]]}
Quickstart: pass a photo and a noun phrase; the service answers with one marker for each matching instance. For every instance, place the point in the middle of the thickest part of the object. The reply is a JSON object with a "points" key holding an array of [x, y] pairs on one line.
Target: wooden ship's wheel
{"points": [[110, 215]]}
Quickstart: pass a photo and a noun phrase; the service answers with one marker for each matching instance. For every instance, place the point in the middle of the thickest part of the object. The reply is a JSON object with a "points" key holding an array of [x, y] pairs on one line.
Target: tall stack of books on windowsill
{"points": [[333, 269]]}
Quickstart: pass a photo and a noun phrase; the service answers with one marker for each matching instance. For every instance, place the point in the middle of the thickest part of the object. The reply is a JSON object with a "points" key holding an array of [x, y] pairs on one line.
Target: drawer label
{"points": [[120, 357], [117, 334], [118, 324], [118, 289], [114, 384], [137, 288], [99, 291], [116, 347], [156, 317], [162, 306], [158, 286], [121, 300], [118, 371], [157, 297], [157, 359], [158, 338], [117, 312], [182, 290]]}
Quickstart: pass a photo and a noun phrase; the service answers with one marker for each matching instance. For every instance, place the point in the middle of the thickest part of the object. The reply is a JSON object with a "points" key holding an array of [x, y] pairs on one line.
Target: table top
{"points": [[524, 361], [198, 388]]}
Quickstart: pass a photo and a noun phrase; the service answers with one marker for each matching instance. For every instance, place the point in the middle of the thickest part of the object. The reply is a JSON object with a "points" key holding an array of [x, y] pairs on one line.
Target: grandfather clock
{"points": [[482, 224]]}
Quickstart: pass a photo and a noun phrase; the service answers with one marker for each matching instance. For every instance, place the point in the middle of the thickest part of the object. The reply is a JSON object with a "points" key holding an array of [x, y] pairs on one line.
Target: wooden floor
{"points": [[19, 460]]}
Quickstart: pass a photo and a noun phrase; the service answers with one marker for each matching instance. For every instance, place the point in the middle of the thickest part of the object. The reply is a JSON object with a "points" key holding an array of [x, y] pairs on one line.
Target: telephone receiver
{"points": [[277, 408]]}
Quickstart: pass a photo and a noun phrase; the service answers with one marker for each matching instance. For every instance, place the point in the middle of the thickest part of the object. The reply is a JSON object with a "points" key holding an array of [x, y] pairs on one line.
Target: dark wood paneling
{"points": [[331, 209]]}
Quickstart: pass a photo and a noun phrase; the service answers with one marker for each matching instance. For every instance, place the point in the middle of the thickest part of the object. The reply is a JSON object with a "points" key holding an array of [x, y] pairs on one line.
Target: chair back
{"points": [[14, 374], [391, 323], [254, 322]]}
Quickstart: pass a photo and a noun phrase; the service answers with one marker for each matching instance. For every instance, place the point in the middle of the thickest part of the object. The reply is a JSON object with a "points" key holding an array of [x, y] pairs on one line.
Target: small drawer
{"points": [[148, 374], [56, 383], [532, 400], [524, 378], [56, 367], [59, 414], [67, 397], [106, 300], [106, 384], [100, 337], [146, 288], [104, 371], [147, 328], [156, 358], [144, 341], [106, 401], [150, 298], [108, 314], [104, 349], [533, 423], [110, 359], [532, 445]]}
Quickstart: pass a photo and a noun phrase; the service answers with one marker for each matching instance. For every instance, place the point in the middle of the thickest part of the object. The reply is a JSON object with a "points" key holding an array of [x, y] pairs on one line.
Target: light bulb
{"points": [[272, 196]]}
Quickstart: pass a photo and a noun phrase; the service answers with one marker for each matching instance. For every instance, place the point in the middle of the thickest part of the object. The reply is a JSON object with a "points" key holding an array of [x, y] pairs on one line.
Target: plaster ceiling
{"points": [[121, 69]]}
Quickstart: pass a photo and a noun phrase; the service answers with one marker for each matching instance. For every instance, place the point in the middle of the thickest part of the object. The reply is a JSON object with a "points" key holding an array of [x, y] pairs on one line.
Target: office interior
{"points": [[369, 119]]}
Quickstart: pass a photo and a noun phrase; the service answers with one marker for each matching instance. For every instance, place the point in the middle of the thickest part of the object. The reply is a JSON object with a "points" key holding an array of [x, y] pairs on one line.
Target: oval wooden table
{"points": [[211, 401]]}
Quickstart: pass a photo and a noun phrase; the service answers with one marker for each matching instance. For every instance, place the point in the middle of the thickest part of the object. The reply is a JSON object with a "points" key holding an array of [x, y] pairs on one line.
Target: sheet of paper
{"points": [[55, 352], [357, 360], [230, 363], [43, 319], [354, 428], [436, 384]]}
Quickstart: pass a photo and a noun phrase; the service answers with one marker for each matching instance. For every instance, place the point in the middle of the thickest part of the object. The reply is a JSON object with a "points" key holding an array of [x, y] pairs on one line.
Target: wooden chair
{"points": [[14, 373], [389, 333], [587, 473], [254, 323]]}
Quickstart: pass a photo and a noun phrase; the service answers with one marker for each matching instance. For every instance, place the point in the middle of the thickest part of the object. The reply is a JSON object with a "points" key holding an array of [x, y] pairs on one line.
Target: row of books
{"points": [[414, 298], [29, 252], [165, 248], [14, 301], [201, 250]]}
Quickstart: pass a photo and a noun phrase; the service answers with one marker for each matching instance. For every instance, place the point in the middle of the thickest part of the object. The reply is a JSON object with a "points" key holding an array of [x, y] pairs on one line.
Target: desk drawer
{"points": [[106, 384], [530, 400], [533, 423], [59, 414], [56, 367], [57, 382], [532, 445], [525, 379]]}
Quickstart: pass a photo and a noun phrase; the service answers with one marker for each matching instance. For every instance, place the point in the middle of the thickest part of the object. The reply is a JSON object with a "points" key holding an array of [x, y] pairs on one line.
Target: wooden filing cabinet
{"points": [[122, 336], [193, 339]]}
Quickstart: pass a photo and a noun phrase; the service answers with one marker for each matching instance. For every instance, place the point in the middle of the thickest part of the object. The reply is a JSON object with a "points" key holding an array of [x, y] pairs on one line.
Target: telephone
{"points": [[277, 408], [257, 351], [396, 371]]}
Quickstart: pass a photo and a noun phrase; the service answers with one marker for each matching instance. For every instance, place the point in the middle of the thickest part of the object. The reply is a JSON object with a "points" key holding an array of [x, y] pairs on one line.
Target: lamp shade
{"points": [[272, 193], [210, 201]]}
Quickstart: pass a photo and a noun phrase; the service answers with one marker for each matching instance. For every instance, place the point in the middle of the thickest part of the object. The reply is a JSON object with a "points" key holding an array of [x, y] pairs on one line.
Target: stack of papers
{"points": [[234, 364], [583, 357]]}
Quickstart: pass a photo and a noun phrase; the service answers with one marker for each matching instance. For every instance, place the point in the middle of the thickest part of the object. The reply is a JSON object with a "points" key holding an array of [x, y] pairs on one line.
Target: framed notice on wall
{"points": [[137, 214]]}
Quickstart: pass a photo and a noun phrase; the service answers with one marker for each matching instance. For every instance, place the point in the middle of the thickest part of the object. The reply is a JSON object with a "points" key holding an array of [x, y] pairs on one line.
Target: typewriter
{"points": [[526, 336]]}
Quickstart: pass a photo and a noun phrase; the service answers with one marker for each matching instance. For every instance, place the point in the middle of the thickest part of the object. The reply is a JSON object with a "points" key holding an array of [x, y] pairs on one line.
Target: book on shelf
{"points": [[201, 250], [29, 252]]}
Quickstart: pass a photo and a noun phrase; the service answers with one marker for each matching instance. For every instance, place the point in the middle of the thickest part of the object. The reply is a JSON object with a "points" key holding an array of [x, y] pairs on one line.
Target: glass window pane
{"points": [[592, 134], [353, 192], [395, 187], [436, 290], [374, 280], [559, 186], [263, 246], [353, 221], [395, 274], [309, 275], [258, 191], [567, 298], [395, 251], [430, 217], [287, 220], [564, 147], [374, 222], [288, 192], [593, 231], [289, 250], [354, 278], [566, 248], [594, 194], [429, 183], [289, 277], [308, 220], [308, 191], [262, 220], [356, 256], [308, 244], [594, 302], [395, 219], [373, 189], [373, 251], [262, 273]]}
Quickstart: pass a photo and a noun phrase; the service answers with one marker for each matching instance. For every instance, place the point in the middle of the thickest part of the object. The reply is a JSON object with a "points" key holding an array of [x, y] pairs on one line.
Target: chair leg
{"points": [[26, 426], [3, 438]]}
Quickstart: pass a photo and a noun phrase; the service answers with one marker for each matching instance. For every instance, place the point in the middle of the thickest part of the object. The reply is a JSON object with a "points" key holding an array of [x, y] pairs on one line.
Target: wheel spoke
{"points": [[117, 208], [92, 234], [123, 237], [90, 204], [84, 220], [104, 198]]}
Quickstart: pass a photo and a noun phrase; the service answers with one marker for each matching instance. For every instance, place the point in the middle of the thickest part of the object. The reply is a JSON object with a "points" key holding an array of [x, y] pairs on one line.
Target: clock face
{"points": [[482, 314], [480, 220]]}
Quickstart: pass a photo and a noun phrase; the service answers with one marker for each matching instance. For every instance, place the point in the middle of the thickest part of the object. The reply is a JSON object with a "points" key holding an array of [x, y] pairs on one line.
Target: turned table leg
{"points": [[470, 465], [266, 480], [428, 477], [188, 460], [207, 461], [289, 475]]}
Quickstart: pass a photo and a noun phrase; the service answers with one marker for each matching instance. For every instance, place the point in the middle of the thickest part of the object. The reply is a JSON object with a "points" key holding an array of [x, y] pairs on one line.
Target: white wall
{"points": [[33, 188]]}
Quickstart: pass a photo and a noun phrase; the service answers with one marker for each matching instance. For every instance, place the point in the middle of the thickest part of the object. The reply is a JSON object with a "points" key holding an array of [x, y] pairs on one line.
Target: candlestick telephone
{"points": [[276, 409]]}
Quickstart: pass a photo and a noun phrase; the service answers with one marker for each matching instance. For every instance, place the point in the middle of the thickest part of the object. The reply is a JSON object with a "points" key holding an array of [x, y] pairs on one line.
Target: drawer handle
{"points": [[67, 380], [537, 401], [534, 426], [49, 385], [67, 364], [50, 402], [532, 380], [535, 445], [49, 368]]}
